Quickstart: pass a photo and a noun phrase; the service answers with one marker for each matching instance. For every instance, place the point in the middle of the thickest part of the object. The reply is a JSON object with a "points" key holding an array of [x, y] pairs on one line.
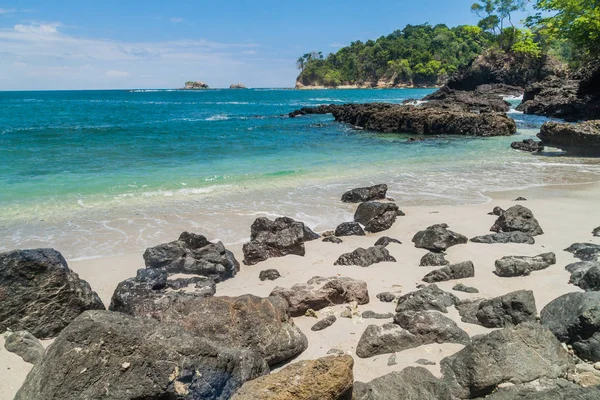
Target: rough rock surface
{"points": [[438, 238], [319, 293], [195, 85], [468, 101], [193, 254], [327, 378], [517, 218], [430, 120], [359, 195], [528, 145], [324, 323], [505, 237], [40, 294], [590, 281], [522, 265], [585, 251], [108, 355], [385, 240], [497, 211], [276, 238], [596, 232], [464, 288], [349, 229], [575, 319], [269, 275], [546, 389], [517, 354], [412, 383], [376, 216], [373, 315], [433, 259], [25, 345], [579, 269], [461, 270], [582, 138], [365, 257], [428, 298], [386, 297], [332, 239], [410, 329], [510, 309]]}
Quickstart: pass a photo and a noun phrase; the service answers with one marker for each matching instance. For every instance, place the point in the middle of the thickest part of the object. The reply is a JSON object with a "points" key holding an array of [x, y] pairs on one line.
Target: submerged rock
{"points": [[438, 238], [349, 229], [25, 345], [359, 195], [40, 294], [269, 239], [528, 145], [505, 237], [376, 216], [428, 298], [365, 257], [521, 265], [581, 138], [517, 218], [319, 293], [455, 271], [411, 383], [432, 259]]}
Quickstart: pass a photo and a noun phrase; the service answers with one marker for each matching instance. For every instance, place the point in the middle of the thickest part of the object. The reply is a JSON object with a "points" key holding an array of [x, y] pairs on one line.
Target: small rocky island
{"points": [[195, 85], [237, 86]]}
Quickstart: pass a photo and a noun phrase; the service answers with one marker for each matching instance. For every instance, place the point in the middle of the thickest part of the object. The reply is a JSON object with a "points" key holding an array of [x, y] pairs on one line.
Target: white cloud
{"points": [[37, 29], [7, 11], [112, 73], [176, 20]]}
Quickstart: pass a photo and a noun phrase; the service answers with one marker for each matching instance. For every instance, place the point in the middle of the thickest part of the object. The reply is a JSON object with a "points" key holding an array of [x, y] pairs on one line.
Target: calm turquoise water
{"points": [[103, 172]]}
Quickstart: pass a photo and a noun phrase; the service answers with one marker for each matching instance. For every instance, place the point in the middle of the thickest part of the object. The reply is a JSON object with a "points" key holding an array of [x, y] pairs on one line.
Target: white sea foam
{"points": [[218, 117]]}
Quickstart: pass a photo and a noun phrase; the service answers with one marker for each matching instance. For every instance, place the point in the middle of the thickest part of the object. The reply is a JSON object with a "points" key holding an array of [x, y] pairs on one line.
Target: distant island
{"points": [[237, 86], [195, 85]]}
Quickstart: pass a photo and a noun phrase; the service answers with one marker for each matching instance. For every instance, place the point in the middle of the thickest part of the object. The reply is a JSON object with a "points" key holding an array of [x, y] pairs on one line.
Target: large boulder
{"points": [[575, 319], [546, 389], [517, 355], [505, 237], [277, 238], [25, 345], [327, 378], [320, 292], [40, 294], [428, 298], [410, 329], [590, 281], [359, 195], [365, 257], [460, 100], [193, 254], [433, 259], [579, 269], [510, 309], [108, 355], [412, 383], [455, 271], [522, 265], [438, 238], [260, 324], [517, 218], [582, 138], [376, 216], [349, 229]]}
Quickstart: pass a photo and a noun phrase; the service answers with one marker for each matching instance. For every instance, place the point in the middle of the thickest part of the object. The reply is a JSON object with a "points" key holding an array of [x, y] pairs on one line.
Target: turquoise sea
{"points": [[96, 173]]}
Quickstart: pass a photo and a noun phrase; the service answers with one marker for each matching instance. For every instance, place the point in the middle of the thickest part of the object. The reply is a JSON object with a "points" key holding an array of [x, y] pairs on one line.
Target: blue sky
{"points": [[101, 44]]}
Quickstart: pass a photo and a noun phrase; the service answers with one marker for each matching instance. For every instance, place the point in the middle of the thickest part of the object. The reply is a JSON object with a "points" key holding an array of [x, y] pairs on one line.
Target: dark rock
{"points": [[505, 237], [517, 218], [582, 138], [432, 259], [437, 238], [376, 216], [464, 288], [528, 145], [455, 271], [324, 323], [365, 257], [269, 239], [349, 229], [115, 356], [411, 329], [40, 294], [590, 281], [596, 232], [392, 360], [269, 275], [517, 354], [467, 101], [262, 325], [498, 211], [546, 389], [386, 297], [428, 298], [193, 254], [510, 309], [373, 315], [574, 318], [521, 265], [585, 251], [327, 378], [25, 345], [412, 383], [319, 293], [207, 286], [359, 195], [520, 199], [422, 361], [579, 269], [333, 239], [385, 240]]}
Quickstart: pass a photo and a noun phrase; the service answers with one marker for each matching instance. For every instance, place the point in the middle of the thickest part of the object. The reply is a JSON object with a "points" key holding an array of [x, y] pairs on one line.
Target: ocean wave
{"points": [[218, 117], [327, 99]]}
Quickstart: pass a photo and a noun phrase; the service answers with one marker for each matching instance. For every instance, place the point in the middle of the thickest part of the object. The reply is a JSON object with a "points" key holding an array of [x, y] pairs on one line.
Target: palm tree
{"points": [[300, 63]]}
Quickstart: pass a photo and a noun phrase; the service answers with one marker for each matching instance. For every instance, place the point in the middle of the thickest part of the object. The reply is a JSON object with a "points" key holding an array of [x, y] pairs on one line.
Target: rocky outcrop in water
{"points": [[458, 100], [237, 86], [528, 145], [40, 294], [112, 355], [359, 195], [582, 138], [195, 85]]}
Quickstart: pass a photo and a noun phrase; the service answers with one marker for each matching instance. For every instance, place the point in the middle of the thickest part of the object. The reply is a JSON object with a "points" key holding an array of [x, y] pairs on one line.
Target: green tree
{"points": [[494, 14]]}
